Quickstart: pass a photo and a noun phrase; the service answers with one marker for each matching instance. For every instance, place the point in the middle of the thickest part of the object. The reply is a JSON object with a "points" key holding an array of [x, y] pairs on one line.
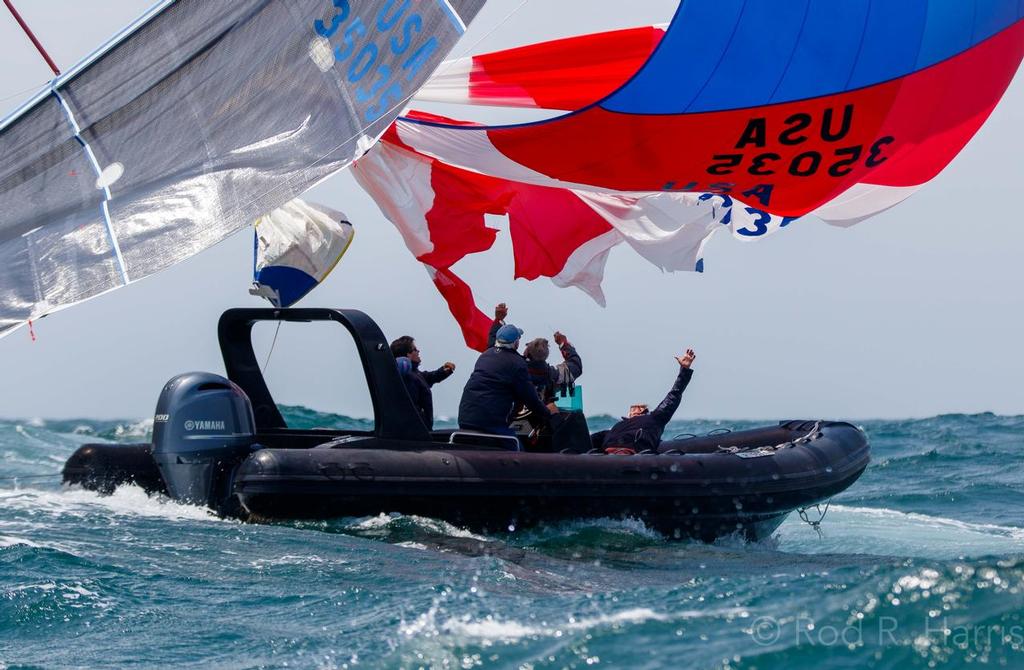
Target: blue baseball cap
{"points": [[508, 334]]}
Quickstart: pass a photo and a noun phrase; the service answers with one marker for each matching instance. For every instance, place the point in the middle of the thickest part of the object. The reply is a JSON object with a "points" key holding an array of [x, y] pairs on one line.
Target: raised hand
{"points": [[500, 312], [686, 360], [560, 339], [449, 366]]}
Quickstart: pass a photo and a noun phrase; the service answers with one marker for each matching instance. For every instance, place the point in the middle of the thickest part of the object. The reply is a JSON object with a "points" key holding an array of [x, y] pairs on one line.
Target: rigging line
{"points": [[270, 353], [37, 87], [449, 62]]}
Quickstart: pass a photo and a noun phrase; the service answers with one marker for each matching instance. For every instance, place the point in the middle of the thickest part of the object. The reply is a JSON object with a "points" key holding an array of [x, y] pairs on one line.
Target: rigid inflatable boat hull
{"points": [[222, 442], [703, 495], [755, 516]]}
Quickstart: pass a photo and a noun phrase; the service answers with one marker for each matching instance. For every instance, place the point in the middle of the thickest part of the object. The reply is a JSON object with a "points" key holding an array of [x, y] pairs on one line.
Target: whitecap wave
{"points": [[494, 629], [8, 541], [11, 541], [125, 501], [889, 532], [413, 545], [142, 428], [629, 526], [385, 523], [288, 560]]}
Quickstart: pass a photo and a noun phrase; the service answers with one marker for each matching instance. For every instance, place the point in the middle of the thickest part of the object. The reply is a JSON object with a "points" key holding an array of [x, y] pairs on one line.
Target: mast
{"points": [[31, 36]]}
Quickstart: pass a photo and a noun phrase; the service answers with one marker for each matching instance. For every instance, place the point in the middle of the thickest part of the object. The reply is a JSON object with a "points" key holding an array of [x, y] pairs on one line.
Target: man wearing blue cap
{"points": [[499, 381]]}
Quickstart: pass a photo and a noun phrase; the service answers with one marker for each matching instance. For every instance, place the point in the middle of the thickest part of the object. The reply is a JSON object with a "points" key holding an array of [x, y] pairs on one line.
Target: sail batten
{"points": [[105, 205]]}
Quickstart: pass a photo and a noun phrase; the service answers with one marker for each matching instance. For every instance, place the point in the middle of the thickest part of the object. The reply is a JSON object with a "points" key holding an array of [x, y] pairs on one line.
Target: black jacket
{"points": [[544, 377], [419, 385], [498, 382], [644, 431], [492, 334]]}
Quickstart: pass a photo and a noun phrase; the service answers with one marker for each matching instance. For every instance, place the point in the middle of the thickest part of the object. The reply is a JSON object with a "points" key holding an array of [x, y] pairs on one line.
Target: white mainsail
{"points": [[192, 123]]}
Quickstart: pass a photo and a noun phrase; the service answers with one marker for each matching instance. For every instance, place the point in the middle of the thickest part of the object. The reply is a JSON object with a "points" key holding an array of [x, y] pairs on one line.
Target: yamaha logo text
{"points": [[204, 425]]}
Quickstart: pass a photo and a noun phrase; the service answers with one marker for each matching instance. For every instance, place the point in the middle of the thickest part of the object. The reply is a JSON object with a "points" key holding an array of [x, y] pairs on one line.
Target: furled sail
{"points": [[196, 120]]}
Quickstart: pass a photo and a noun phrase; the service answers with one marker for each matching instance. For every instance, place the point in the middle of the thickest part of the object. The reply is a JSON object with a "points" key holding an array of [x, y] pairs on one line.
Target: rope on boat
{"points": [[816, 524], [271, 352]]}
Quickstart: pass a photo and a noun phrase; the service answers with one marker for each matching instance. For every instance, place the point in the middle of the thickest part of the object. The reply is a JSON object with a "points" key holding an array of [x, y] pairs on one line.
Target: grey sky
{"points": [[913, 313]]}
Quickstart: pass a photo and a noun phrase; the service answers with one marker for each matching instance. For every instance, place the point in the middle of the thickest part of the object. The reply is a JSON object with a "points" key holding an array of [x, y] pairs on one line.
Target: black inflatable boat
{"points": [[222, 442]]}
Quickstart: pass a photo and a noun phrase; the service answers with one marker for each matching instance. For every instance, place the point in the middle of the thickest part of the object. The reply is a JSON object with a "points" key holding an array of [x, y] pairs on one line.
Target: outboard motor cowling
{"points": [[202, 430]]}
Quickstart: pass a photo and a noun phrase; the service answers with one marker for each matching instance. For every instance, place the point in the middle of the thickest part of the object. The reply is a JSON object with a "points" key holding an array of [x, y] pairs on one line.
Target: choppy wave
{"points": [[920, 564]]}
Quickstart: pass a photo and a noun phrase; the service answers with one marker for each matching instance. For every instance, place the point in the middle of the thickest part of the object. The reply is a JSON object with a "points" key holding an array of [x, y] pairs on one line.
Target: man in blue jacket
{"points": [[641, 429], [543, 376], [499, 381], [418, 381]]}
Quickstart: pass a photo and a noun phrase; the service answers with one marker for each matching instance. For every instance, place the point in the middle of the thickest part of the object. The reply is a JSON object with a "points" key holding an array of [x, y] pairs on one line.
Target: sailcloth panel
{"points": [[564, 74], [786, 107], [556, 232], [199, 119]]}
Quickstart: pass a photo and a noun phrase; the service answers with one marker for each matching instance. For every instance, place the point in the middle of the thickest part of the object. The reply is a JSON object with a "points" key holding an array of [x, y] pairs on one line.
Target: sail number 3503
{"points": [[758, 135], [382, 58]]}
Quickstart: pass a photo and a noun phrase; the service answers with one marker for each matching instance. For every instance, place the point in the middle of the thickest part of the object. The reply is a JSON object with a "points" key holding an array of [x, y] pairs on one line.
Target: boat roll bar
{"points": [[395, 417]]}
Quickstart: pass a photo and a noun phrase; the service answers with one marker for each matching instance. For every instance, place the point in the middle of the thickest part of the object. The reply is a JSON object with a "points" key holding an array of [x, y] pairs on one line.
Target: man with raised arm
{"points": [[641, 429], [499, 382], [544, 376]]}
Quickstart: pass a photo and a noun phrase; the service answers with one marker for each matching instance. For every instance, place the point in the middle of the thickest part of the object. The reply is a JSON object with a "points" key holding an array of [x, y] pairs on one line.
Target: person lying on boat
{"points": [[641, 429], [421, 381], [546, 377], [499, 382]]}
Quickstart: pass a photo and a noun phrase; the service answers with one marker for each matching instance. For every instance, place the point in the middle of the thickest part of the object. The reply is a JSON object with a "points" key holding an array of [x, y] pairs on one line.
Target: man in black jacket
{"points": [[500, 381], [543, 376], [642, 429], [419, 382]]}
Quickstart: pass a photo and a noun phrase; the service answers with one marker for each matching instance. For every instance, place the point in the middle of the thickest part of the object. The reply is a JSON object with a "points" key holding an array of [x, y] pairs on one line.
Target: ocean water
{"points": [[919, 565]]}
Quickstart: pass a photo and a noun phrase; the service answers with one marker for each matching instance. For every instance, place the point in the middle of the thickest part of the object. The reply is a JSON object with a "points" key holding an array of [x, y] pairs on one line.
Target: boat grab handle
{"points": [[514, 440]]}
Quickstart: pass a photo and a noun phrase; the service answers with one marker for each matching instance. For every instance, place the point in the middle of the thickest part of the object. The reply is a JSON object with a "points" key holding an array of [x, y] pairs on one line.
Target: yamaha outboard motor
{"points": [[202, 430]]}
